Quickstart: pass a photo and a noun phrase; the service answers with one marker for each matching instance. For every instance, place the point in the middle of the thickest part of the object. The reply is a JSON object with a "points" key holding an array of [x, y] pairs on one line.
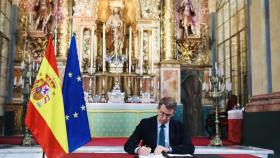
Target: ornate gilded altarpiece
{"points": [[120, 44]]}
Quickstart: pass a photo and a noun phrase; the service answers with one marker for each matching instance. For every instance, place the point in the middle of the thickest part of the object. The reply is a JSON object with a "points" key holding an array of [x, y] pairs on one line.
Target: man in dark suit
{"points": [[160, 133]]}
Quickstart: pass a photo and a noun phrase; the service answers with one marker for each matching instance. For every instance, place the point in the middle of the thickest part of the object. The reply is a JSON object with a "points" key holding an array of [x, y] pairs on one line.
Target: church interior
{"points": [[216, 58]]}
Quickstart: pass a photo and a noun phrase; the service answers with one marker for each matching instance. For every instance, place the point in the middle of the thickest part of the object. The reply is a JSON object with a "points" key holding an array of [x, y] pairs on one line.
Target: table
{"points": [[235, 119]]}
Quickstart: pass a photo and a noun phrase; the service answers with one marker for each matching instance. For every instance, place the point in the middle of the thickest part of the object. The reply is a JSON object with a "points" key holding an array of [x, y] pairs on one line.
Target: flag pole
{"points": [[43, 156]]}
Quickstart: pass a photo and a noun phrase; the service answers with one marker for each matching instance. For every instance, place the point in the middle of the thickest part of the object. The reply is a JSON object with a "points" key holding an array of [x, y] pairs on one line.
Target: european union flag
{"points": [[78, 132]]}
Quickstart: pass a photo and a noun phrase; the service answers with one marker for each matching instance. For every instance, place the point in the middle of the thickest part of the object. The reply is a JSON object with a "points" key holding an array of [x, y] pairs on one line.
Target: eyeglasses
{"points": [[162, 114]]}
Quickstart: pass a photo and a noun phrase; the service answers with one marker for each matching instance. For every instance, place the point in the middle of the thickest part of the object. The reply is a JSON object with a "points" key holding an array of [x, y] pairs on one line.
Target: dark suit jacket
{"points": [[146, 131]]}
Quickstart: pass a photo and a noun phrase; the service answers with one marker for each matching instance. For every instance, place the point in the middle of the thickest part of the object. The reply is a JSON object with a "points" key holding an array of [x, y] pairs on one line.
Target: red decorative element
{"points": [[235, 130]]}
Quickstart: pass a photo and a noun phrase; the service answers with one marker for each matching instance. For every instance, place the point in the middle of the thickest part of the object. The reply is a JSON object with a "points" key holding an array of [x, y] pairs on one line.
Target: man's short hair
{"points": [[169, 103]]}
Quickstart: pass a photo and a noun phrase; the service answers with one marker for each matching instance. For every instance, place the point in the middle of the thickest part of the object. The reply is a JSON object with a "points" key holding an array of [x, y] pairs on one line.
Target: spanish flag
{"points": [[45, 116]]}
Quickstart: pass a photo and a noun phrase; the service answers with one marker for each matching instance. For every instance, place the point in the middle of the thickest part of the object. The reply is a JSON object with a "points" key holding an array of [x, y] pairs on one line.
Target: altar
{"points": [[119, 119], [129, 51]]}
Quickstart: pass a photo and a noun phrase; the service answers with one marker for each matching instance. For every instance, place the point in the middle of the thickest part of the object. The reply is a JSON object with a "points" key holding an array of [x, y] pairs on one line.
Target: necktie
{"points": [[161, 136]]}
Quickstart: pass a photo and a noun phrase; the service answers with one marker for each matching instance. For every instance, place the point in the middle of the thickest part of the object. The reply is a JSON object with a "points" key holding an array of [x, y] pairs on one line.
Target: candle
{"points": [[55, 41], [104, 48], [37, 66], [30, 18], [204, 86], [216, 68], [20, 80], [141, 51], [95, 49], [92, 49], [126, 55], [15, 81], [129, 49], [22, 65], [152, 51], [33, 65], [94, 83], [90, 82], [221, 71], [29, 58], [228, 86], [158, 85], [81, 46], [222, 87], [210, 71]]}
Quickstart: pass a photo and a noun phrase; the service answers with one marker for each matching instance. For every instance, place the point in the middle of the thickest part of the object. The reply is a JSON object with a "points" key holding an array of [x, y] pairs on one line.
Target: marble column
{"points": [[169, 67], [168, 31], [62, 32], [263, 56]]}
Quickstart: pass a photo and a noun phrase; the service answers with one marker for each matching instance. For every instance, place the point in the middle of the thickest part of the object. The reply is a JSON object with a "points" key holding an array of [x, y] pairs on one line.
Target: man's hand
{"points": [[159, 149], [144, 150]]}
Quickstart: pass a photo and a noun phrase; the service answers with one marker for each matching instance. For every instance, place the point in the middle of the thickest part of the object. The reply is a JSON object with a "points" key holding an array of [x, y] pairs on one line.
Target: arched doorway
{"points": [[191, 95]]}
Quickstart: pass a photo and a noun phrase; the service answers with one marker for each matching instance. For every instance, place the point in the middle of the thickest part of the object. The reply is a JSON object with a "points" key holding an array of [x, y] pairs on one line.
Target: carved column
{"points": [[168, 31], [169, 68], [62, 31]]}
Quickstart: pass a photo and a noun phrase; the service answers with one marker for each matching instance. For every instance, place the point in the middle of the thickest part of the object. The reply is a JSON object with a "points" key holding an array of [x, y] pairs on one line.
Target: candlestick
{"points": [[104, 48]]}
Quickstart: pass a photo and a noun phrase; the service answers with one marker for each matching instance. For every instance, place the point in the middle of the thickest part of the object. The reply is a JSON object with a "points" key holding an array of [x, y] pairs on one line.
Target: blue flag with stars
{"points": [[77, 126]]}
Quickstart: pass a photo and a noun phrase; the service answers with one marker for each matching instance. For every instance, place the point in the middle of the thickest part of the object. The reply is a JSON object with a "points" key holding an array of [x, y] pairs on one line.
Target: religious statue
{"points": [[189, 18], [115, 26], [43, 14], [86, 50]]}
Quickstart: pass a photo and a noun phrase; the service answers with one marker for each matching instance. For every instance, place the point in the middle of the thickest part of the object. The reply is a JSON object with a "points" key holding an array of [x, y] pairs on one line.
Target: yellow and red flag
{"points": [[45, 116]]}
